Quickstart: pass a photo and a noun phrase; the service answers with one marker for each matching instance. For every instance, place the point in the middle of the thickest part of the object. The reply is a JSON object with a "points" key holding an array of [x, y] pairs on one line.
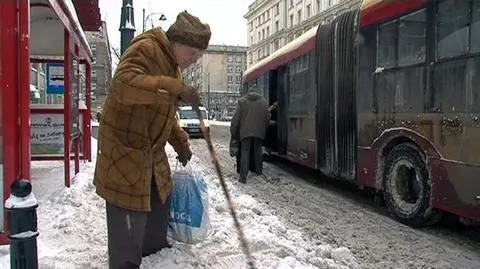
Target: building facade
{"points": [[271, 24], [218, 76], [101, 66]]}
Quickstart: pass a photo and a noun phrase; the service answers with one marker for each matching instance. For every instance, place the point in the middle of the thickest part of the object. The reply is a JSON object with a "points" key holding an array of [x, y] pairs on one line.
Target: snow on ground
{"points": [[73, 233]]}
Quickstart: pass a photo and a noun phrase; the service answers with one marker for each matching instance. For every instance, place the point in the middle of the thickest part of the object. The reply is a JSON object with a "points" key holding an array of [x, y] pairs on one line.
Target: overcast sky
{"points": [[224, 16]]}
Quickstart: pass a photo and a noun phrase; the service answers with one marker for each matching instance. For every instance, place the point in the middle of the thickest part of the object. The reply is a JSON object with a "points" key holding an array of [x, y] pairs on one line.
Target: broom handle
{"points": [[216, 164]]}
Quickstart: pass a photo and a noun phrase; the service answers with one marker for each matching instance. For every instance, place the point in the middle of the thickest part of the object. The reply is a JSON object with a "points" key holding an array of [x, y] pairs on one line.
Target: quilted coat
{"points": [[138, 120]]}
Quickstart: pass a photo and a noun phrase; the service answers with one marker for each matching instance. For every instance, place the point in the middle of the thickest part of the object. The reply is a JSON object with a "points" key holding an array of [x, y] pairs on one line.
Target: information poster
{"points": [[47, 135]]}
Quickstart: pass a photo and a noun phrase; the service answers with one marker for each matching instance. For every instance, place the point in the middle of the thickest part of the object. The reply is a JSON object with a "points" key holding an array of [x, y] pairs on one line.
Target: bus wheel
{"points": [[406, 186]]}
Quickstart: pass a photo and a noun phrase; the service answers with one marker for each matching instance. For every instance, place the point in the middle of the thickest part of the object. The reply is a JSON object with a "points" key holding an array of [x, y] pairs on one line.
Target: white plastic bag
{"points": [[189, 222]]}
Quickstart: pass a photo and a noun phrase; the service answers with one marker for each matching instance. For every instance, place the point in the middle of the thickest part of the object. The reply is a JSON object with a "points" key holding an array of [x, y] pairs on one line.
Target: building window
{"points": [[230, 58], [268, 31], [239, 69], [230, 79], [263, 34], [330, 3], [268, 14], [258, 54], [277, 44], [299, 16], [93, 47], [277, 9], [309, 11], [238, 79], [259, 36], [291, 3], [94, 73], [318, 6], [276, 26], [259, 22], [230, 88], [239, 59], [230, 69], [291, 20]]}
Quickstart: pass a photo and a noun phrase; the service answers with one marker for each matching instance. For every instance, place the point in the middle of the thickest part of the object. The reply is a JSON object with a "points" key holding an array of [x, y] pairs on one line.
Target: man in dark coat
{"points": [[249, 125]]}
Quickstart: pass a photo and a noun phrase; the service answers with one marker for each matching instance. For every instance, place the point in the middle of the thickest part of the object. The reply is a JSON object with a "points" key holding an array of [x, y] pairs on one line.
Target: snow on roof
{"points": [[292, 46], [73, 14]]}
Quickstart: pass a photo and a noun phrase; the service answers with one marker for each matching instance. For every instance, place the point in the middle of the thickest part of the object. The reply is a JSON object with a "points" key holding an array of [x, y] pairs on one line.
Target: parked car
{"points": [[188, 120]]}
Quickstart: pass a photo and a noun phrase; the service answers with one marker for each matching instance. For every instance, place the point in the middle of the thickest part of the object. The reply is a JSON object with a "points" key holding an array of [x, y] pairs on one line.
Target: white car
{"points": [[188, 120]]}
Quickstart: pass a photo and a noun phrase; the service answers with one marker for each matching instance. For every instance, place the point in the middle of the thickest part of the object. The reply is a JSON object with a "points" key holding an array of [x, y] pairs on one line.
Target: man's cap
{"points": [[190, 31]]}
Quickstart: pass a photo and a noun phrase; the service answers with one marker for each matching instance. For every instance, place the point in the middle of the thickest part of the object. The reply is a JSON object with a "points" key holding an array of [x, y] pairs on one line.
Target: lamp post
{"points": [[162, 18]]}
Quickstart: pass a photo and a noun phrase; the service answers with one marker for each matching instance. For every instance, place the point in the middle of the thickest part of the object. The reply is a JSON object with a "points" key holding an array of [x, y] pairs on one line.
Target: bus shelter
{"points": [[41, 31]]}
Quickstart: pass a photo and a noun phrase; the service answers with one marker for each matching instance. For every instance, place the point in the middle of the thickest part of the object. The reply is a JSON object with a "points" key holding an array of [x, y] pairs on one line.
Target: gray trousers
{"points": [[133, 235], [251, 148]]}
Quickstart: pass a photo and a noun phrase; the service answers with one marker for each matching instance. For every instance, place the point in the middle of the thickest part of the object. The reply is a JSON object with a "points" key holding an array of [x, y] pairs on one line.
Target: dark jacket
{"points": [[251, 118]]}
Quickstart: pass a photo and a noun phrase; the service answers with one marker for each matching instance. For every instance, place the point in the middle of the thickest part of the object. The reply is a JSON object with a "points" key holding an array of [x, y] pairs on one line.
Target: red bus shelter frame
{"points": [[15, 86]]}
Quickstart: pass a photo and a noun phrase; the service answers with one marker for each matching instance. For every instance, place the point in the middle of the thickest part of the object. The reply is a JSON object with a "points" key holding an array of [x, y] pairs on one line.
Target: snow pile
{"points": [[73, 233]]}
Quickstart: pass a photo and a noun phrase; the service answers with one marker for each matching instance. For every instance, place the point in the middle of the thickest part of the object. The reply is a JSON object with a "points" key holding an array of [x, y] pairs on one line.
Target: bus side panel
{"points": [[456, 188], [366, 101], [301, 112]]}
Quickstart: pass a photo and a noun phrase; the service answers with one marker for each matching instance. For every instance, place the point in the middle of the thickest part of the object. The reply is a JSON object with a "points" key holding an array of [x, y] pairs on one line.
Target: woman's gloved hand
{"points": [[185, 156]]}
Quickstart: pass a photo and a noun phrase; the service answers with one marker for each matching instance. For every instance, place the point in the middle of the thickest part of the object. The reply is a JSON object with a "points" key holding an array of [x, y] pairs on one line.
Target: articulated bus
{"points": [[386, 97]]}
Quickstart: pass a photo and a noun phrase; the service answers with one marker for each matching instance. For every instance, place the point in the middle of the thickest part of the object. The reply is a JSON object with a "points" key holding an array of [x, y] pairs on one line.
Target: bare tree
{"points": [[116, 52]]}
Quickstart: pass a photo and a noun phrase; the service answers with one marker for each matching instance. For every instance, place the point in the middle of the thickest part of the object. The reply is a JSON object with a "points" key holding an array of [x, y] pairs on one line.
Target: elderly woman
{"points": [[132, 171]]}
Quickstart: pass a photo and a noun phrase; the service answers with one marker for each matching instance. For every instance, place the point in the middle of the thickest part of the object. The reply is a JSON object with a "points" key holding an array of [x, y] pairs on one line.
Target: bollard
{"points": [[22, 225]]}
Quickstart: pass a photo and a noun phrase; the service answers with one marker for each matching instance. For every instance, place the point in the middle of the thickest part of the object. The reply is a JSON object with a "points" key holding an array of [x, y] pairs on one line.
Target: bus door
{"points": [[272, 131], [282, 94]]}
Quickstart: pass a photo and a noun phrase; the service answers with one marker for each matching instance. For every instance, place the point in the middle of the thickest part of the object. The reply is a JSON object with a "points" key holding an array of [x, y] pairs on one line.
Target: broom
{"points": [[216, 164]]}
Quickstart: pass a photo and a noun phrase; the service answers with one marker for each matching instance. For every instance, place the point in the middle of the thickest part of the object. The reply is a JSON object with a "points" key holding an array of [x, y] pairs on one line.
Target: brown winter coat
{"points": [[138, 119]]}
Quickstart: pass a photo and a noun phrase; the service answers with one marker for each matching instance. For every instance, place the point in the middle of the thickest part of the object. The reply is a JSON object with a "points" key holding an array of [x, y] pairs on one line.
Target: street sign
{"points": [[55, 79]]}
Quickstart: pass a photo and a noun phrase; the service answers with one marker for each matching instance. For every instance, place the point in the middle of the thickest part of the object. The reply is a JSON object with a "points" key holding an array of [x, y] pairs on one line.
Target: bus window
{"points": [[412, 38], [475, 46], [387, 39], [452, 28]]}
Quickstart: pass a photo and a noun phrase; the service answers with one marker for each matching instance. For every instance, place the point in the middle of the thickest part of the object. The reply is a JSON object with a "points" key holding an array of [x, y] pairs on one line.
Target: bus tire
{"points": [[406, 186]]}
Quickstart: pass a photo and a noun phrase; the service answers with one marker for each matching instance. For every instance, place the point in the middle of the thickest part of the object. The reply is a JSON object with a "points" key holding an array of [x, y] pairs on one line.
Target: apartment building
{"points": [[101, 70], [218, 75], [274, 23]]}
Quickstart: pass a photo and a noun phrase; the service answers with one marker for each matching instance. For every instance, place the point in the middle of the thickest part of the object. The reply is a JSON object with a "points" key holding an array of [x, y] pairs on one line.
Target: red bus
{"points": [[386, 97]]}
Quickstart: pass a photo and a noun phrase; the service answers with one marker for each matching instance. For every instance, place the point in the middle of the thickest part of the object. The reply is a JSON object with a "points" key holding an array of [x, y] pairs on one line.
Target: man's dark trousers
{"points": [[250, 145]]}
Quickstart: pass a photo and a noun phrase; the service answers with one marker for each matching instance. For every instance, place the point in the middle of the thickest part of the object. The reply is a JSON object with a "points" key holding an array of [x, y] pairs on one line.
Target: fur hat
{"points": [[190, 31]]}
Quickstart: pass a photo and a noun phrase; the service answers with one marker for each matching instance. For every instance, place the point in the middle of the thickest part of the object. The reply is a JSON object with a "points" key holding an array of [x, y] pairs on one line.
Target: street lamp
{"points": [[162, 18]]}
